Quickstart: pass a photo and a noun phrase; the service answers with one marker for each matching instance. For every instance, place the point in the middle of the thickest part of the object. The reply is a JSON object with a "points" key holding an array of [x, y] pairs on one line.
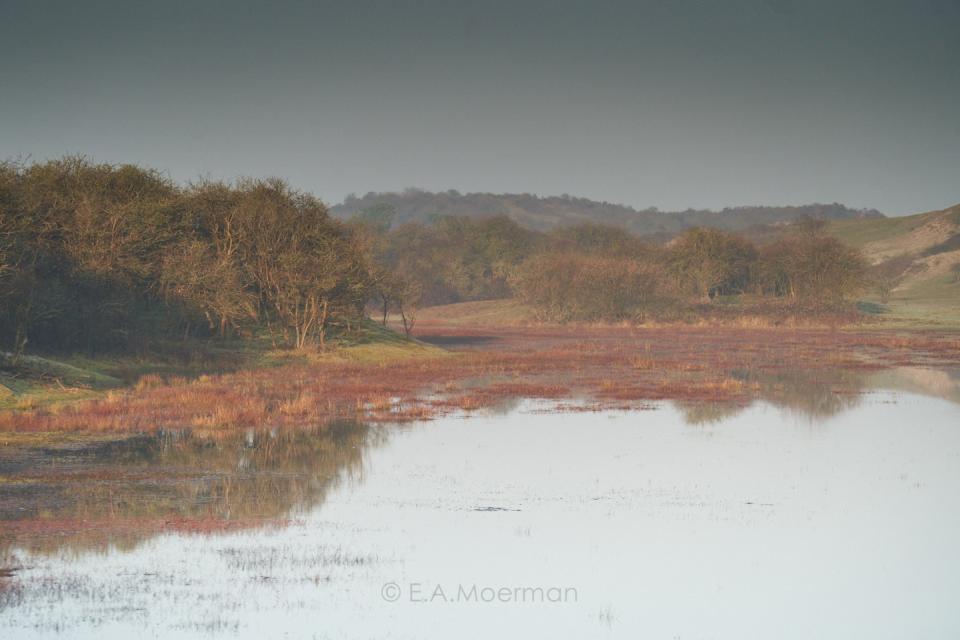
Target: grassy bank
{"points": [[373, 374], [35, 381], [927, 304], [38, 382], [623, 367]]}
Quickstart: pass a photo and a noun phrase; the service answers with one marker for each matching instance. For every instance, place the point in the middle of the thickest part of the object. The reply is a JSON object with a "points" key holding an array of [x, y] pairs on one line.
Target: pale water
{"points": [[527, 523]]}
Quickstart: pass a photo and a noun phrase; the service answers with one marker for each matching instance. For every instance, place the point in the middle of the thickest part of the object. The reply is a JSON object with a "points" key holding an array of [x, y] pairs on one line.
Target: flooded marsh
{"points": [[806, 512], [560, 482]]}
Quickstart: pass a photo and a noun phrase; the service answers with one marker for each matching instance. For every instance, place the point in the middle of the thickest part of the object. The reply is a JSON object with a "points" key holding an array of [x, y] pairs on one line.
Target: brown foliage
{"points": [[812, 269], [564, 287]]}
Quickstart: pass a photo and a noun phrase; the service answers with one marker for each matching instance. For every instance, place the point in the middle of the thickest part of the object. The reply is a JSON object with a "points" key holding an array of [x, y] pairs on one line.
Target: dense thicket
{"points": [[457, 259], [98, 256], [597, 272], [577, 286], [805, 272]]}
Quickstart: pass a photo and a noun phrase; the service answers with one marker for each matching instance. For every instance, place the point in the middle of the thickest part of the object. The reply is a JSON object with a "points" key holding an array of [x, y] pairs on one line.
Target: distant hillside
{"points": [[543, 214], [919, 258]]}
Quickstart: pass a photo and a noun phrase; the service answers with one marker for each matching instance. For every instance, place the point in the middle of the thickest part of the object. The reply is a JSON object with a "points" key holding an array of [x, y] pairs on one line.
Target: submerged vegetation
{"points": [[612, 366], [249, 448]]}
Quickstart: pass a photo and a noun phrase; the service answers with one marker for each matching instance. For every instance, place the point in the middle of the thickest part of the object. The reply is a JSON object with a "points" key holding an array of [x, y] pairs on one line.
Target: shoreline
{"points": [[460, 367]]}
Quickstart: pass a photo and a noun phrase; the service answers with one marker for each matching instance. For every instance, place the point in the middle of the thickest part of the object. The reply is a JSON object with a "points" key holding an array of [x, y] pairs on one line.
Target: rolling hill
{"points": [[919, 258], [916, 257], [545, 213]]}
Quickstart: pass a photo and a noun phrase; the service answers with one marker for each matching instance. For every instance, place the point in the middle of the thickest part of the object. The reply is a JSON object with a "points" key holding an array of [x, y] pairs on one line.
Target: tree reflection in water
{"points": [[94, 495], [117, 493], [815, 395]]}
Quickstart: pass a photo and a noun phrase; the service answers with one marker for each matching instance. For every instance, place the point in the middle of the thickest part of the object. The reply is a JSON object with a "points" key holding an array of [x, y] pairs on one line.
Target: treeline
{"points": [[597, 272], [806, 272], [550, 213], [96, 257]]}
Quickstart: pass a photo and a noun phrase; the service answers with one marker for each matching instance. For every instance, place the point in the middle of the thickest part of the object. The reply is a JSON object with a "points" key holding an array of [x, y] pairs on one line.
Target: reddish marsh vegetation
{"points": [[247, 449], [612, 366]]}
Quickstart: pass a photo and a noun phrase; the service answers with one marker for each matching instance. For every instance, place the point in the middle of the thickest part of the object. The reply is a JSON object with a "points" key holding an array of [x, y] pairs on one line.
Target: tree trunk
{"points": [[322, 324]]}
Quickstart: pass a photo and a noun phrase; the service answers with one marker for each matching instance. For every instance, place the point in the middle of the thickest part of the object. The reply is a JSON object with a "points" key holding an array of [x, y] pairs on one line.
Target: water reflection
{"points": [[815, 395], [116, 493], [819, 394], [726, 530]]}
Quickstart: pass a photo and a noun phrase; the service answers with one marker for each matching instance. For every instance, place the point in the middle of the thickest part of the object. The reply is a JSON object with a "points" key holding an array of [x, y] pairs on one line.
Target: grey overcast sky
{"points": [[667, 103]]}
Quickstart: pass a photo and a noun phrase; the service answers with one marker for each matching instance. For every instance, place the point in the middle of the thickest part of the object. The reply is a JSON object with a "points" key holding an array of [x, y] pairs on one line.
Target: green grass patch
{"points": [[933, 303], [32, 381], [504, 312], [369, 341], [861, 232]]}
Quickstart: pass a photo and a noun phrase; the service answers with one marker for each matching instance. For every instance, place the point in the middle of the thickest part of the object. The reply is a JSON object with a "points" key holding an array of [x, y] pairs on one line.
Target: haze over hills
{"points": [[915, 260], [545, 213]]}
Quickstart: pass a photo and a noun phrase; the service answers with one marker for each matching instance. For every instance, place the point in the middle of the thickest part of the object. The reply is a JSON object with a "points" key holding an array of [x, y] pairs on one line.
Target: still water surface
{"points": [[535, 524]]}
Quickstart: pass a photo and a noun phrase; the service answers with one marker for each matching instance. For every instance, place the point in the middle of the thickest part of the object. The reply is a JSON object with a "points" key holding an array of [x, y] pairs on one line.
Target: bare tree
{"points": [[194, 274], [406, 299]]}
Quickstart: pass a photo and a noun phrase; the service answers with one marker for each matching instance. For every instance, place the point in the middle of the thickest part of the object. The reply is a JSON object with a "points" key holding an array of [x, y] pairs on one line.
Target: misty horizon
{"points": [[676, 106], [414, 189], [573, 196]]}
